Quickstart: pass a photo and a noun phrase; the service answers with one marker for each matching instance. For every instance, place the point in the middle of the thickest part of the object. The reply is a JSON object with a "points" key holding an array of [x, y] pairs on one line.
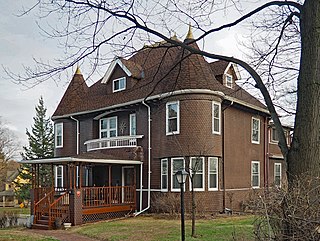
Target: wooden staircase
{"points": [[51, 210], [42, 223]]}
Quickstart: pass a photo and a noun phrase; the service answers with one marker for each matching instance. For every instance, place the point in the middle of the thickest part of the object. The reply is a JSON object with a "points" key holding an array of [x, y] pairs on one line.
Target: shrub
{"points": [[289, 213]]}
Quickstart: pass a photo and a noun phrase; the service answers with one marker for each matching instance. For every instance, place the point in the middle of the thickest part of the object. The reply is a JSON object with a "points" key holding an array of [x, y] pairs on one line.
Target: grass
{"points": [[15, 210], [151, 228], [18, 234]]}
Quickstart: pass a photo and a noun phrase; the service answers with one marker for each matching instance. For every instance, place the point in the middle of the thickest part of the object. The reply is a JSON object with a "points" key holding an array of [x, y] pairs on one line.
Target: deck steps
{"points": [[42, 223]]}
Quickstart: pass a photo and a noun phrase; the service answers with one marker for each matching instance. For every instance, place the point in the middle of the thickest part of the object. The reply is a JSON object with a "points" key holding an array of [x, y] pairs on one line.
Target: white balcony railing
{"points": [[112, 142]]}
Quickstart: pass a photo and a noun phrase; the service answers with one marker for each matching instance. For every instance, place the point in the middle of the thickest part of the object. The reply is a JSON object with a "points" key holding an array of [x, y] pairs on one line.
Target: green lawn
{"points": [[19, 234], [150, 228]]}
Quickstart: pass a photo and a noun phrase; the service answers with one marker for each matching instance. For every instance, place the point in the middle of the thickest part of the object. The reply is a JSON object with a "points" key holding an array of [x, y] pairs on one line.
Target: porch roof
{"points": [[75, 159]]}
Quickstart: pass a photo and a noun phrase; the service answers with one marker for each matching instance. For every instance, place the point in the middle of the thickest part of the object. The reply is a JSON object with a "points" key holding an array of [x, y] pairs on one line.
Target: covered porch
{"points": [[83, 190]]}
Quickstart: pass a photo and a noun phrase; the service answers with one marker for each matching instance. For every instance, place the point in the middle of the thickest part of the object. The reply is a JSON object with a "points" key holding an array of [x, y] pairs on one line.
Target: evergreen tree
{"points": [[41, 145]]}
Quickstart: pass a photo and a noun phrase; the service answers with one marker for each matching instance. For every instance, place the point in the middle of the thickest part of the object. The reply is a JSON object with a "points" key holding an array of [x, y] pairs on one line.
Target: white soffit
{"points": [[73, 159], [111, 67]]}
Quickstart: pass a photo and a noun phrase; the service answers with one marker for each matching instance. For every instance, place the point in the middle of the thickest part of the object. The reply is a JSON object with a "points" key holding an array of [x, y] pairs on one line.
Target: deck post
{"points": [[75, 205]]}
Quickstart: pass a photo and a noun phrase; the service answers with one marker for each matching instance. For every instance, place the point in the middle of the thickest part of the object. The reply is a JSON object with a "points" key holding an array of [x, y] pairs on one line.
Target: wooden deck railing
{"points": [[108, 196], [59, 209], [42, 206], [41, 192]]}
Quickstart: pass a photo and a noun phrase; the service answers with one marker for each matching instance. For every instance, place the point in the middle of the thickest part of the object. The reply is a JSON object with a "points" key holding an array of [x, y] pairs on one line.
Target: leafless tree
{"points": [[88, 27], [92, 29], [8, 145]]}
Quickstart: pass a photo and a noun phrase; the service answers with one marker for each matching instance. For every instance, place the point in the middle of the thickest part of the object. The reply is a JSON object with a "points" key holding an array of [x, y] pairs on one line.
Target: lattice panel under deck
{"points": [[87, 218]]}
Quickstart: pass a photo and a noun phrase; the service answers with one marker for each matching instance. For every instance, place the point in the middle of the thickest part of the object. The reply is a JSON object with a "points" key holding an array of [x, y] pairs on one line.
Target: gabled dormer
{"points": [[225, 72], [121, 75]]}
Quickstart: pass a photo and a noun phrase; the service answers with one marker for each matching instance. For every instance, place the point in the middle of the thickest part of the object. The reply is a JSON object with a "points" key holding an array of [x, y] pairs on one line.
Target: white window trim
{"points": [[229, 86], [55, 135], [108, 129], [120, 89], [271, 140], [255, 162], [213, 131], [203, 176], [178, 118], [217, 178], [130, 123], [254, 141], [274, 175], [162, 161], [56, 176], [172, 174]]}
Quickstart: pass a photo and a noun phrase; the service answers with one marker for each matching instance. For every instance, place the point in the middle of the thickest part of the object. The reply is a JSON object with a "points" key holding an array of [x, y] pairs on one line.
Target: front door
{"points": [[128, 176], [127, 182]]}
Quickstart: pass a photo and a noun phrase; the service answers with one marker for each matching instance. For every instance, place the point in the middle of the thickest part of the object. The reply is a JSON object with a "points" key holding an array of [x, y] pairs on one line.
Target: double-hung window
{"points": [[255, 131], [133, 125], [229, 80], [59, 176], [213, 173], [216, 116], [108, 127], [119, 84], [177, 164], [255, 174], [277, 174], [164, 175], [172, 118], [274, 135], [58, 135], [197, 172]]}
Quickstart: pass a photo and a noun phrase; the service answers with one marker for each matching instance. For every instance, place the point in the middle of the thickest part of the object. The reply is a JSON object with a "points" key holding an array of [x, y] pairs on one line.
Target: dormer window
{"points": [[229, 80], [119, 84]]}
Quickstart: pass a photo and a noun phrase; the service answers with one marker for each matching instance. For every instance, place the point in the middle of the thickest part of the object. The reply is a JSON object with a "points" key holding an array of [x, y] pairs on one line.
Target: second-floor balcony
{"points": [[112, 142]]}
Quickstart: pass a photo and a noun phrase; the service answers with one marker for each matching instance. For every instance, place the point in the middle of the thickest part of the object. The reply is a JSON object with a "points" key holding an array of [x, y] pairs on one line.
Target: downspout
{"points": [[149, 164], [223, 167], [266, 153], [223, 158]]}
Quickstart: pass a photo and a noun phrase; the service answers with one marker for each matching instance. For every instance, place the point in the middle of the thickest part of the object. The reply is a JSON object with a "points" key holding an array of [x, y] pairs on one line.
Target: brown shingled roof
{"points": [[73, 98], [218, 67], [158, 70]]}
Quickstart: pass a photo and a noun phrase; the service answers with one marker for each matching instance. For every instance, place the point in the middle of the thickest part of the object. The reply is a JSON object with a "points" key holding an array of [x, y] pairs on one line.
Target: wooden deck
{"points": [[95, 201]]}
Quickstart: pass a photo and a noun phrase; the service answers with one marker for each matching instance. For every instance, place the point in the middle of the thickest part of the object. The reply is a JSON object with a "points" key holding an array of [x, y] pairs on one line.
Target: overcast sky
{"points": [[20, 41]]}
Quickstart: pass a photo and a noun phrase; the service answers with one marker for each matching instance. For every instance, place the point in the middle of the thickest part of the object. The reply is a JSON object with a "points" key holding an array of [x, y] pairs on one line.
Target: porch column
{"points": [[75, 205], [110, 178]]}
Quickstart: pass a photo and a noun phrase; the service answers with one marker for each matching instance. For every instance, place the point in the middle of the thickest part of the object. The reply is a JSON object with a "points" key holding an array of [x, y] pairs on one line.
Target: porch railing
{"points": [[112, 142], [41, 192], [59, 209], [108, 196], [41, 207]]}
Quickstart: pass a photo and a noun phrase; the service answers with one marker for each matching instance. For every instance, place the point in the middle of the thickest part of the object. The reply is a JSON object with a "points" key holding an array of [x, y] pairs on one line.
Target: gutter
{"points": [[153, 97], [149, 164]]}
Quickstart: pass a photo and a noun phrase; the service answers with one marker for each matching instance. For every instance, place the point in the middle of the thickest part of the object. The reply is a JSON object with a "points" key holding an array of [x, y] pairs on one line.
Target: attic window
{"points": [[229, 80], [119, 84]]}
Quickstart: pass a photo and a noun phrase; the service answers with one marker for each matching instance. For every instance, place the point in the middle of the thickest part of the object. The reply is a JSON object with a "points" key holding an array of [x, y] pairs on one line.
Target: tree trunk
{"points": [[304, 155]]}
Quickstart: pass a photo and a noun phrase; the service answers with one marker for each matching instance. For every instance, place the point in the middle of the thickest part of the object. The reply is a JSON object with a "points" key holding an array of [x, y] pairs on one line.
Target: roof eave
{"points": [[111, 67]]}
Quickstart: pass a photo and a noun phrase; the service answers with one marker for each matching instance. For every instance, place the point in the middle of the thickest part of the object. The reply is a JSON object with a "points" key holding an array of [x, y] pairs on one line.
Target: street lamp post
{"points": [[181, 176]]}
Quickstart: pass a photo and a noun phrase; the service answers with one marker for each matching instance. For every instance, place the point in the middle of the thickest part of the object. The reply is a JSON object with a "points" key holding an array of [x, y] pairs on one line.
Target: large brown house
{"points": [[121, 140]]}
